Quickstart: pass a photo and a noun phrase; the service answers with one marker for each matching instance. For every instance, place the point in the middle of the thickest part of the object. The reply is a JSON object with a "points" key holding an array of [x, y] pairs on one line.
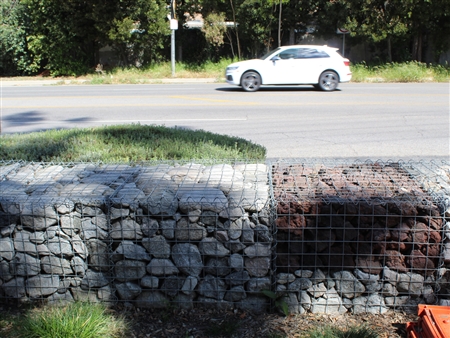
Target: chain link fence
{"points": [[325, 237]]}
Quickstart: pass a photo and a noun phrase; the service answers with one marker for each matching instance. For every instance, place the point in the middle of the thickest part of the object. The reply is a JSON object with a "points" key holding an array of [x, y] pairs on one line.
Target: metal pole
{"points": [[343, 45], [172, 51]]}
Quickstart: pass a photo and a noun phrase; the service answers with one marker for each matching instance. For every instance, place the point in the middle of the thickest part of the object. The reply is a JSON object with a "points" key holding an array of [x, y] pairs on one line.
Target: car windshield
{"points": [[270, 53]]}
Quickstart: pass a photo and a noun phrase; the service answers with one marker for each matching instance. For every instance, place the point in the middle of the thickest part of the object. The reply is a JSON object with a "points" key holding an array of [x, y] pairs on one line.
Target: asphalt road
{"points": [[364, 121]]}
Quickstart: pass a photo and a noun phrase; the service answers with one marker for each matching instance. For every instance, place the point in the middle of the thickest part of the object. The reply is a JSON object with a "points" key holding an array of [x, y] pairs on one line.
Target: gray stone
{"points": [[78, 266], [160, 201], [172, 285], [93, 279], [186, 231], [212, 247], [37, 237], [284, 278], [22, 243], [126, 229], [129, 250], [189, 285], [258, 284], [187, 259], [56, 265], [116, 213], [317, 290], [347, 285], [15, 288], [234, 228], [60, 247], [128, 270], [205, 199], [388, 290], [234, 245], [332, 306], [237, 278], [304, 300], [236, 262], [101, 222], [128, 290], [184, 302], [411, 283], [300, 284], [293, 304], [161, 267], [305, 274], [248, 234], [41, 285], [168, 228], [91, 231], [60, 299], [157, 246], [217, 267], [149, 226], [370, 304], [151, 300], [258, 250], [98, 254], [150, 282], [258, 266], [25, 265], [81, 295], [250, 199], [6, 248], [233, 213], [5, 274], [214, 304], [235, 294], [70, 224], [263, 233]]}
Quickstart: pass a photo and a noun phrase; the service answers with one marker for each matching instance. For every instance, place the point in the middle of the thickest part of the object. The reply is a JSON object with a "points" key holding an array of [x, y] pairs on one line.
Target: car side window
{"points": [[289, 54], [311, 53]]}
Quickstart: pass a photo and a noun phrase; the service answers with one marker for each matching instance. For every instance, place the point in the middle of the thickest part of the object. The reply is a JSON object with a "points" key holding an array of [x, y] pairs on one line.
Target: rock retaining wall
{"points": [[330, 239]]}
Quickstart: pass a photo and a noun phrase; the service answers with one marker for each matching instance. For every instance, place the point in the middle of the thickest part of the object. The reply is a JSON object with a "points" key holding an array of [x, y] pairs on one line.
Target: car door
{"points": [[310, 63], [279, 67]]}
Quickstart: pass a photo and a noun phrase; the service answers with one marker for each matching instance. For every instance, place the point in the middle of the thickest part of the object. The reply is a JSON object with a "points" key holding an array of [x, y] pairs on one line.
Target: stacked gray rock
{"points": [[148, 235], [357, 292]]}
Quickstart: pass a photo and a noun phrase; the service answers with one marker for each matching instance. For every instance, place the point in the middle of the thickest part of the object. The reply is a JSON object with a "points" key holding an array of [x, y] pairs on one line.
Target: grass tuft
{"points": [[81, 320], [351, 332], [124, 144]]}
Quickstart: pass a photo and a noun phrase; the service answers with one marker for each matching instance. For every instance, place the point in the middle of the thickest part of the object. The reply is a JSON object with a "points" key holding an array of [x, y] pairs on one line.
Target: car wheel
{"points": [[251, 81], [328, 81]]}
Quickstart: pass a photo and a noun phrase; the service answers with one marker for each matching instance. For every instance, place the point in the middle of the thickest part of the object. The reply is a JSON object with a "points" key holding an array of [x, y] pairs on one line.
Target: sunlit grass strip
{"points": [[81, 320], [126, 143], [400, 72]]}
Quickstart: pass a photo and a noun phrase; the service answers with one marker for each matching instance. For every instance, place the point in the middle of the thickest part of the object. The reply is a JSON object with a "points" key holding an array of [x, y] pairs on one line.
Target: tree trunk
{"points": [[389, 49], [237, 32], [417, 47], [279, 25]]}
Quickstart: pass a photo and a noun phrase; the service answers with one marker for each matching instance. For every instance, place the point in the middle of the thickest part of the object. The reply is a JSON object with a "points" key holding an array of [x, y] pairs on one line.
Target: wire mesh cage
{"points": [[149, 235], [359, 237], [328, 237]]}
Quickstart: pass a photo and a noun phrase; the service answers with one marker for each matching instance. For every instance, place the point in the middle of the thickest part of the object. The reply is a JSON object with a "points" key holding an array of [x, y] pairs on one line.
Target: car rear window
{"points": [[310, 53]]}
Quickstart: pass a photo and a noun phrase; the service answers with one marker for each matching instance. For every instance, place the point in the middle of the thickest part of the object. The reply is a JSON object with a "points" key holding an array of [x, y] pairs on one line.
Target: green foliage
{"points": [[214, 28], [279, 300], [351, 332], [126, 143], [81, 320]]}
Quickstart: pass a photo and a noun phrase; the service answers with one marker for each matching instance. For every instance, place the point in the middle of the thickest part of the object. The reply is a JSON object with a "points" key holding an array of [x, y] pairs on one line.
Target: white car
{"points": [[320, 66]]}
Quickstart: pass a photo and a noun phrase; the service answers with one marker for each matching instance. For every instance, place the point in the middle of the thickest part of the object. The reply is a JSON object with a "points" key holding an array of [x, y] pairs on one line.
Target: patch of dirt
{"points": [[199, 323]]}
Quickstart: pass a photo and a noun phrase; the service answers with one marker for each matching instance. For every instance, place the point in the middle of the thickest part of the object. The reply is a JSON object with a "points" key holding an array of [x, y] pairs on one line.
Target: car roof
{"points": [[309, 46]]}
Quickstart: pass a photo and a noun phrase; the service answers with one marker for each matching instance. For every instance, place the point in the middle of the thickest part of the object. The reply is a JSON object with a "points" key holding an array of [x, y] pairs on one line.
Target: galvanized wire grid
{"points": [[144, 234], [327, 236], [364, 237]]}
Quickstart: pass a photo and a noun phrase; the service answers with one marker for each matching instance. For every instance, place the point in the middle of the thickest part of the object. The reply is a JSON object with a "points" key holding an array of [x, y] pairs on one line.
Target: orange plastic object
{"points": [[413, 330], [434, 321]]}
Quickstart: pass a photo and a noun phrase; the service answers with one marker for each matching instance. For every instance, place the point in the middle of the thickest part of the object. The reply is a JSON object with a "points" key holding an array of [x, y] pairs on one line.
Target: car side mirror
{"points": [[275, 58]]}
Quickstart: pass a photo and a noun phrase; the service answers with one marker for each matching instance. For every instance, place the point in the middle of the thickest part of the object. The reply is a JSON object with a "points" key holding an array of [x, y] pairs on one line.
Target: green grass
{"points": [[126, 143], [80, 320], [333, 332], [400, 72]]}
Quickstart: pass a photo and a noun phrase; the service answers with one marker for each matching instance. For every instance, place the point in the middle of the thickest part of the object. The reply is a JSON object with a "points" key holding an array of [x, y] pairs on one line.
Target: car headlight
{"points": [[232, 69]]}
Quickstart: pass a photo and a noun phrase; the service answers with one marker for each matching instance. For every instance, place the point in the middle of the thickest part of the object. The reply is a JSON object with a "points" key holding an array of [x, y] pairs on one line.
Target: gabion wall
{"points": [[362, 237], [328, 237], [149, 235]]}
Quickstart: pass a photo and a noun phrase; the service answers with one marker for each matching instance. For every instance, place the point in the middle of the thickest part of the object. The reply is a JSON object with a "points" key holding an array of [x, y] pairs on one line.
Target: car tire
{"points": [[328, 81], [251, 81]]}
